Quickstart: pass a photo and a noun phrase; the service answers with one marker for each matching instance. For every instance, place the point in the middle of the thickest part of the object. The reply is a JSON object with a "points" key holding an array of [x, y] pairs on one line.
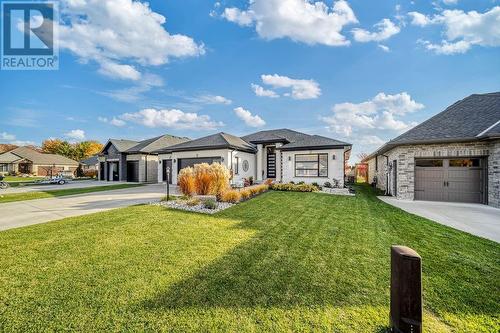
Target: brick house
{"points": [[453, 156]]}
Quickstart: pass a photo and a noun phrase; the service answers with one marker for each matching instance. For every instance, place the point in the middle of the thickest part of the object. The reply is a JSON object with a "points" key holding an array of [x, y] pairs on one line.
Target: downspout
{"points": [[146, 166], [386, 174]]}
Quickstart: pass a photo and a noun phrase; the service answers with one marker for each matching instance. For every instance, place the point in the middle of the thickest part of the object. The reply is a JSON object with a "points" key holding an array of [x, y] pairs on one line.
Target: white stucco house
{"points": [[453, 156], [281, 155]]}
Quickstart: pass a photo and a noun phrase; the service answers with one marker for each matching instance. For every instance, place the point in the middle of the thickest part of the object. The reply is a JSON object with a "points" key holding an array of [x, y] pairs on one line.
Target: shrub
{"points": [[268, 182], [210, 204], [327, 184], [90, 173], [221, 176], [245, 194], [301, 183], [193, 202], [203, 179], [254, 190], [186, 181], [294, 187], [231, 196]]}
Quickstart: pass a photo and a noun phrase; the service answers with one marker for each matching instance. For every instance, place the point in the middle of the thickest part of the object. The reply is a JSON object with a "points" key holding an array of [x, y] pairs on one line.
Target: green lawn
{"points": [[280, 262], [60, 193]]}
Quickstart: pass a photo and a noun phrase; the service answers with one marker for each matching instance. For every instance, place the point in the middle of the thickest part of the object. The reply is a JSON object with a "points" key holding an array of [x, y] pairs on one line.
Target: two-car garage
{"points": [[451, 179]]}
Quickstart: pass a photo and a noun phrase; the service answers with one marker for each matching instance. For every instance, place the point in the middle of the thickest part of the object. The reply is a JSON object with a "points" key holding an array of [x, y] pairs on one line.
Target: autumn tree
{"points": [[76, 151]]}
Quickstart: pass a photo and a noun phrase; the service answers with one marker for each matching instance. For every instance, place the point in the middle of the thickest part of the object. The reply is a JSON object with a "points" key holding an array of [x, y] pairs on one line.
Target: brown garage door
{"points": [[456, 180]]}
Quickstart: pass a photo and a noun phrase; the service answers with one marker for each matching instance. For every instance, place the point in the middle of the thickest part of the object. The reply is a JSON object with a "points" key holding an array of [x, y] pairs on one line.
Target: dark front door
{"points": [[133, 171], [271, 163], [24, 168], [167, 164], [101, 171]]}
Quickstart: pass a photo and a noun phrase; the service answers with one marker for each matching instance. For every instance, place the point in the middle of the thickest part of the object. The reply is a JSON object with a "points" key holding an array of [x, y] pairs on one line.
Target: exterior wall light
{"points": [[175, 160], [290, 158], [222, 159], [333, 157]]}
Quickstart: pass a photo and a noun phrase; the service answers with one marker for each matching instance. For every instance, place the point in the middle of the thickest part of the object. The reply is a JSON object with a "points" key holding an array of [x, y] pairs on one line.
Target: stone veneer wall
{"points": [[405, 155], [494, 174]]}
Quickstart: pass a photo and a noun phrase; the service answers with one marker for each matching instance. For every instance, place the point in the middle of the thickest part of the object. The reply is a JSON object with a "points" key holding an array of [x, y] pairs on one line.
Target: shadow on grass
{"points": [[293, 260]]}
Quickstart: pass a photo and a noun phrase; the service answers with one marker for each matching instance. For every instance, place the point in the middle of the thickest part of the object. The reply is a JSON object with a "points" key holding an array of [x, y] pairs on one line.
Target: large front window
{"points": [[311, 165]]}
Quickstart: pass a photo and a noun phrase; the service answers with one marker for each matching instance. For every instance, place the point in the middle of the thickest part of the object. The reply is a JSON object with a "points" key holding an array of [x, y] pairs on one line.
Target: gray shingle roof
{"points": [[123, 145], [214, 141], [294, 140], [42, 158], [92, 160], [472, 118], [159, 142], [465, 119]]}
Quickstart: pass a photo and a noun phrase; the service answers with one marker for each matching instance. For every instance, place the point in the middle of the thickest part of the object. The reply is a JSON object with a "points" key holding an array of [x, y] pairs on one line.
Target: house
{"points": [[282, 155], [90, 163], [25, 160], [133, 161], [453, 156]]}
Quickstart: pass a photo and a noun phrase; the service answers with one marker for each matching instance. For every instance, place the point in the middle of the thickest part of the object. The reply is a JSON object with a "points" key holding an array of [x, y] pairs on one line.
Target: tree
{"points": [[5, 147], [76, 151], [362, 156]]}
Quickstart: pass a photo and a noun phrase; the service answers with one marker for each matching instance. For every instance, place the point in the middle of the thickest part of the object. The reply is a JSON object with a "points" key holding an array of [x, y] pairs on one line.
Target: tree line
{"points": [[76, 151]]}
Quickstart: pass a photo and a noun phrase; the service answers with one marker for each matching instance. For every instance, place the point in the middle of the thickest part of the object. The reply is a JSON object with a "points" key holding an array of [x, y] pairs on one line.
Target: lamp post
{"points": [[168, 183]]}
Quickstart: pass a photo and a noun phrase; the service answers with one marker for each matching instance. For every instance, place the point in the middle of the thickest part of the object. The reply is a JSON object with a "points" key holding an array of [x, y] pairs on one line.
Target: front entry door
{"points": [[167, 164], [271, 163], [113, 173]]}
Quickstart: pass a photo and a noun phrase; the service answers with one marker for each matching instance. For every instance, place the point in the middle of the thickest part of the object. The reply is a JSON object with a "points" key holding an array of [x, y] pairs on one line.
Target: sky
{"points": [[358, 71]]}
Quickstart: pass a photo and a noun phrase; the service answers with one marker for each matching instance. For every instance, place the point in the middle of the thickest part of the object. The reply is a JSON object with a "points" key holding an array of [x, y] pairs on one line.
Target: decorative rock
{"points": [[337, 191], [181, 204]]}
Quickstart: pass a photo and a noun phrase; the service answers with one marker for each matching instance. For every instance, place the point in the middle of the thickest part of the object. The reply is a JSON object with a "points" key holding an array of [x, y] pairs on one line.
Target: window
{"points": [[311, 165], [467, 163], [429, 163], [376, 163], [4, 167], [236, 165]]}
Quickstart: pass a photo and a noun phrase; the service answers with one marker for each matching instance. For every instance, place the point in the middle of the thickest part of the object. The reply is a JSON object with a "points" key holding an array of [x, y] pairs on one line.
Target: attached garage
{"points": [[189, 162], [453, 179], [133, 171]]}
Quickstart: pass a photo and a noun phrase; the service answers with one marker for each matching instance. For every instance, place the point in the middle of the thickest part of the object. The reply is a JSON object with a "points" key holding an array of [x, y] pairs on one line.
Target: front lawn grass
{"points": [[283, 261], [11, 197]]}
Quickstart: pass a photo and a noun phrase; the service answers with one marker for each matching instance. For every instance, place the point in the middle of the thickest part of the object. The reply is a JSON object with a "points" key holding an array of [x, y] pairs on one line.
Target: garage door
{"points": [[133, 171], [456, 180], [189, 162]]}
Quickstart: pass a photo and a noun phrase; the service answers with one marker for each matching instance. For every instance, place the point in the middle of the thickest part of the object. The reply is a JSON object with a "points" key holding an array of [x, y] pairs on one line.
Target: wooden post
{"points": [[406, 290]]}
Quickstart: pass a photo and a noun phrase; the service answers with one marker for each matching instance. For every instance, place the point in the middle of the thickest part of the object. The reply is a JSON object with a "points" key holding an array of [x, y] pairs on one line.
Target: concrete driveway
{"points": [[23, 213], [72, 184], [479, 220]]}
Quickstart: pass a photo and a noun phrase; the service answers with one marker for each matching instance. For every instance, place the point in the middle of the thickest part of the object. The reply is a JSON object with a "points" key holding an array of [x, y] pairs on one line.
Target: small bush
{"points": [[245, 194], [327, 184], [186, 181], [90, 173], [231, 196], [221, 176], [268, 182], [193, 202], [301, 183], [294, 187], [210, 204]]}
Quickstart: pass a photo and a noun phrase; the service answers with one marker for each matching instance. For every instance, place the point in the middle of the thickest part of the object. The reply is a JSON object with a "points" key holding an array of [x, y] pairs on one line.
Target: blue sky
{"points": [[359, 71]]}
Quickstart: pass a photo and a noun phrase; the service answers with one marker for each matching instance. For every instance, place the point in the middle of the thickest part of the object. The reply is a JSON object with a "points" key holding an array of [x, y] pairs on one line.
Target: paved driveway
{"points": [[22, 213], [479, 220], [73, 184]]}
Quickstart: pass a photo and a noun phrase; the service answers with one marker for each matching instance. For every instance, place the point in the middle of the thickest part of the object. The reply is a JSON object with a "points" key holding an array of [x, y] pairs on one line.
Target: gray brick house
{"points": [[453, 156]]}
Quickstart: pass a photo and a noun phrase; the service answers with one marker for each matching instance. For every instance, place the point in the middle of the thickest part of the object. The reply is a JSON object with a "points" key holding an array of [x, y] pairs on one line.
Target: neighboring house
{"points": [[90, 164], [454, 156], [25, 160], [133, 161], [282, 155]]}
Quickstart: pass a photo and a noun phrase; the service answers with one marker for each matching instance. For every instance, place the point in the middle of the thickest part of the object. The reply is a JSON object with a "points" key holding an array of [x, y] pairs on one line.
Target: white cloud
{"points": [[242, 18], [262, 92], [300, 89], [7, 136], [371, 140], [248, 118], [462, 30], [300, 20], [212, 99], [385, 29], [113, 121], [450, 2], [76, 134], [136, 92], [378, 113], [112, 32], [384, 48], [171, 118]]}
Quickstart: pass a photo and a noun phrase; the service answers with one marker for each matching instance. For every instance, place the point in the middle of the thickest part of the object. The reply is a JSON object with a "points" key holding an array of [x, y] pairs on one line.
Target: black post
{"points": [[406, 290], [168, 183]]}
